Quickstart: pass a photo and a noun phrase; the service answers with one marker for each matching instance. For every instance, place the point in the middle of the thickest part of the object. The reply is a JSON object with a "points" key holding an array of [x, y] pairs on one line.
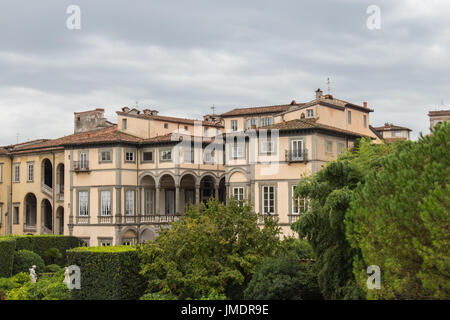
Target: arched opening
{"points": [[60, 221], [167, 184], [187, 192], [47, 173], [60, 179], [207, 188], [30, 212], [147, 235], [148, 196], [47, 216], [222, 190], [129, 238]]}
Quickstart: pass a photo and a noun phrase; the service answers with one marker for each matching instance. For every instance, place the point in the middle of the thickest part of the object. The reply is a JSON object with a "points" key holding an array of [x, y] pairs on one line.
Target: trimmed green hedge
{"points": [[25, 259], [7, 249], [41, 243], [107, 273]]}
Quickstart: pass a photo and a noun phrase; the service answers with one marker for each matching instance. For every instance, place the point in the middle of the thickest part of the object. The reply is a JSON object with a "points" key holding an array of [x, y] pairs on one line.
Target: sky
{"points": [[183, 57]]}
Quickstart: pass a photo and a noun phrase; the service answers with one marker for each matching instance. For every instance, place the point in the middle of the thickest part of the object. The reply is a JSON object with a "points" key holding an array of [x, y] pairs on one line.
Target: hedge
{"points": [[41, 243], [107, 273], [25, 259], [7, 248]]}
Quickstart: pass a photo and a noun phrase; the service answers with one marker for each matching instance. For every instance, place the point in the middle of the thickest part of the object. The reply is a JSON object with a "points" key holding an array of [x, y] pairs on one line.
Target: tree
{"points": [[330, 192], [288, 276], [213, 248], [400, 220]]}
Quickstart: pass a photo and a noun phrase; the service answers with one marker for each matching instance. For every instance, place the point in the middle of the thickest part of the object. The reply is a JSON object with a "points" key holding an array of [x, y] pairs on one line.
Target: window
{"points": [[83, 203], [209, 156], [341, 148], [105, 203], [166, 155], [397, 133], [267, 147], [16, 214], [297, 149], [124, 124], [365, 121], [309, 113], [105, 242], [16, 172], [147, 156], [268, 199], [206, 131], [349, 117], [84, 163], [185, 128], [237, 152], [189, 155], [238, 193], [1, 172], [105, 156], [166, 126], [129, 203], [252, 122], [234, 125], [30, 171], [298, 204], [128, 241], [329, 146], [129, 156], [267, 121]]}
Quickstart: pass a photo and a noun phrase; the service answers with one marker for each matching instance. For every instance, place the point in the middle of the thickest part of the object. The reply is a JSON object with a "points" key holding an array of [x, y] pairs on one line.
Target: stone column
{"points": [[197, 195], [227, 193], [157, 193], [177, 199], [216, 191]]}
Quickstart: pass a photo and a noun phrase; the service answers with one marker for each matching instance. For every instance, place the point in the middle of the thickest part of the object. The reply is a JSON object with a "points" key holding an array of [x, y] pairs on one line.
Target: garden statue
{"points": [[66, 276], [33, 276]]}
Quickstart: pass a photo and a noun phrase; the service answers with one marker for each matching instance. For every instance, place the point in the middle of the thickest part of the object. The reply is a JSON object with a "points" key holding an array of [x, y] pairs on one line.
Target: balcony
{"points": [[293, 218], [296, 155], [261, 217], [159, 218], [47, 190], [81, 166], [105, 219], [83, 219]]}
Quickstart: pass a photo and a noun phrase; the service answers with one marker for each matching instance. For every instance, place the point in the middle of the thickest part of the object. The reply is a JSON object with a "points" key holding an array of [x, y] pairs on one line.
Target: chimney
{"points": [[293, 102], [365, 104], [125, 109], [319, 93], [146, 112], [153, 112], [284, 122]]}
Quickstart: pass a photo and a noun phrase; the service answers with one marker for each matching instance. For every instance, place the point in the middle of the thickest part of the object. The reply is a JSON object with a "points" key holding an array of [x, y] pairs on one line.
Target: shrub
{"points": [[289, 276], [52, 255], [52, 268], [7, 247], [25, 259], [109, 273], [159, 296]]}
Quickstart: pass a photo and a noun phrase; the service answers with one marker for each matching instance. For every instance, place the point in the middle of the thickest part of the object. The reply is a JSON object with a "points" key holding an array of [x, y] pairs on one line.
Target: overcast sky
{"points": [[182, 57]]}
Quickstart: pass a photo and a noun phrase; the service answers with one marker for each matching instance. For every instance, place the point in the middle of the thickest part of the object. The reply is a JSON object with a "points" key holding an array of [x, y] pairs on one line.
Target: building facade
{"points": [[391, 132], [121, 183], [438, 116]]}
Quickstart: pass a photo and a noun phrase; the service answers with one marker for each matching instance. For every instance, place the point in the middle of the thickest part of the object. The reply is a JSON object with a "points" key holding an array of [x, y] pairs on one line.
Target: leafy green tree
{"points": [[216, 247], [400, 220], [288, 276], [330, 192]]}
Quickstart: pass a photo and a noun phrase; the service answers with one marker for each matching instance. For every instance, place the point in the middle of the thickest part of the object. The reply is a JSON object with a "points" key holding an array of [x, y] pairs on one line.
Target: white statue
{"points": [[33, 276], [66, 277]]}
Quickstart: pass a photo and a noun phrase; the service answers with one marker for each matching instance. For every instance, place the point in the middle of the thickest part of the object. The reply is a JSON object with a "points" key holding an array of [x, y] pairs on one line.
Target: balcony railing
{"points": [[296, 155], [261, 217], [29, 228], [159, 218], [105, 219], [83, 219], [293, 218], [47, 190], [81, 166]]}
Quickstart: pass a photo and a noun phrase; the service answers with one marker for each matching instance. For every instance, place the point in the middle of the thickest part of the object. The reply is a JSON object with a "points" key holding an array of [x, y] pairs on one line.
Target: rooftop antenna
{"points": [[329, 85], [213, 108], [137, 104]]}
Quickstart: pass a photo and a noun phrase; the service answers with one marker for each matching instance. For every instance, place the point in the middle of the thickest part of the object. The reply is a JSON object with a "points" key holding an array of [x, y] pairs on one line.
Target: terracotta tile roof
{"points": [[439, 113], [171, 119], [259, 110], [390, 126], [299, 124], [3, 151]]}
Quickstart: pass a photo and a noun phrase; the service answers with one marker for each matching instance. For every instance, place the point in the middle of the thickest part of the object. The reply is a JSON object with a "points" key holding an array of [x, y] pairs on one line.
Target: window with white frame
{"points": [[268, 199], [252, 122], [266, 121], [299, 205], [238, 193], [237, 151], [105, 203], [16, 177], [209, 156], [341, 148], [84, 163], [129, 202], [105, 156], [267, 146], [129, 156], [349, 117], [166, 155], [83, 203], [30, 172], [329, 146], [105, 242], [206, 131], [397, 133], [124, 124], [234, 125], [309, 113]]}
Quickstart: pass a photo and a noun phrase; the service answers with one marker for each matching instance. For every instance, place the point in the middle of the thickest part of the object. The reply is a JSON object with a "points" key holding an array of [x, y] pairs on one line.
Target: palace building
{"points": [[119, 183]]}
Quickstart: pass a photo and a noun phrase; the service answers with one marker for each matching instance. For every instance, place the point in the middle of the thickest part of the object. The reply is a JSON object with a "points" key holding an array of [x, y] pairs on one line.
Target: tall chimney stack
{"points": [[318, 93]]}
